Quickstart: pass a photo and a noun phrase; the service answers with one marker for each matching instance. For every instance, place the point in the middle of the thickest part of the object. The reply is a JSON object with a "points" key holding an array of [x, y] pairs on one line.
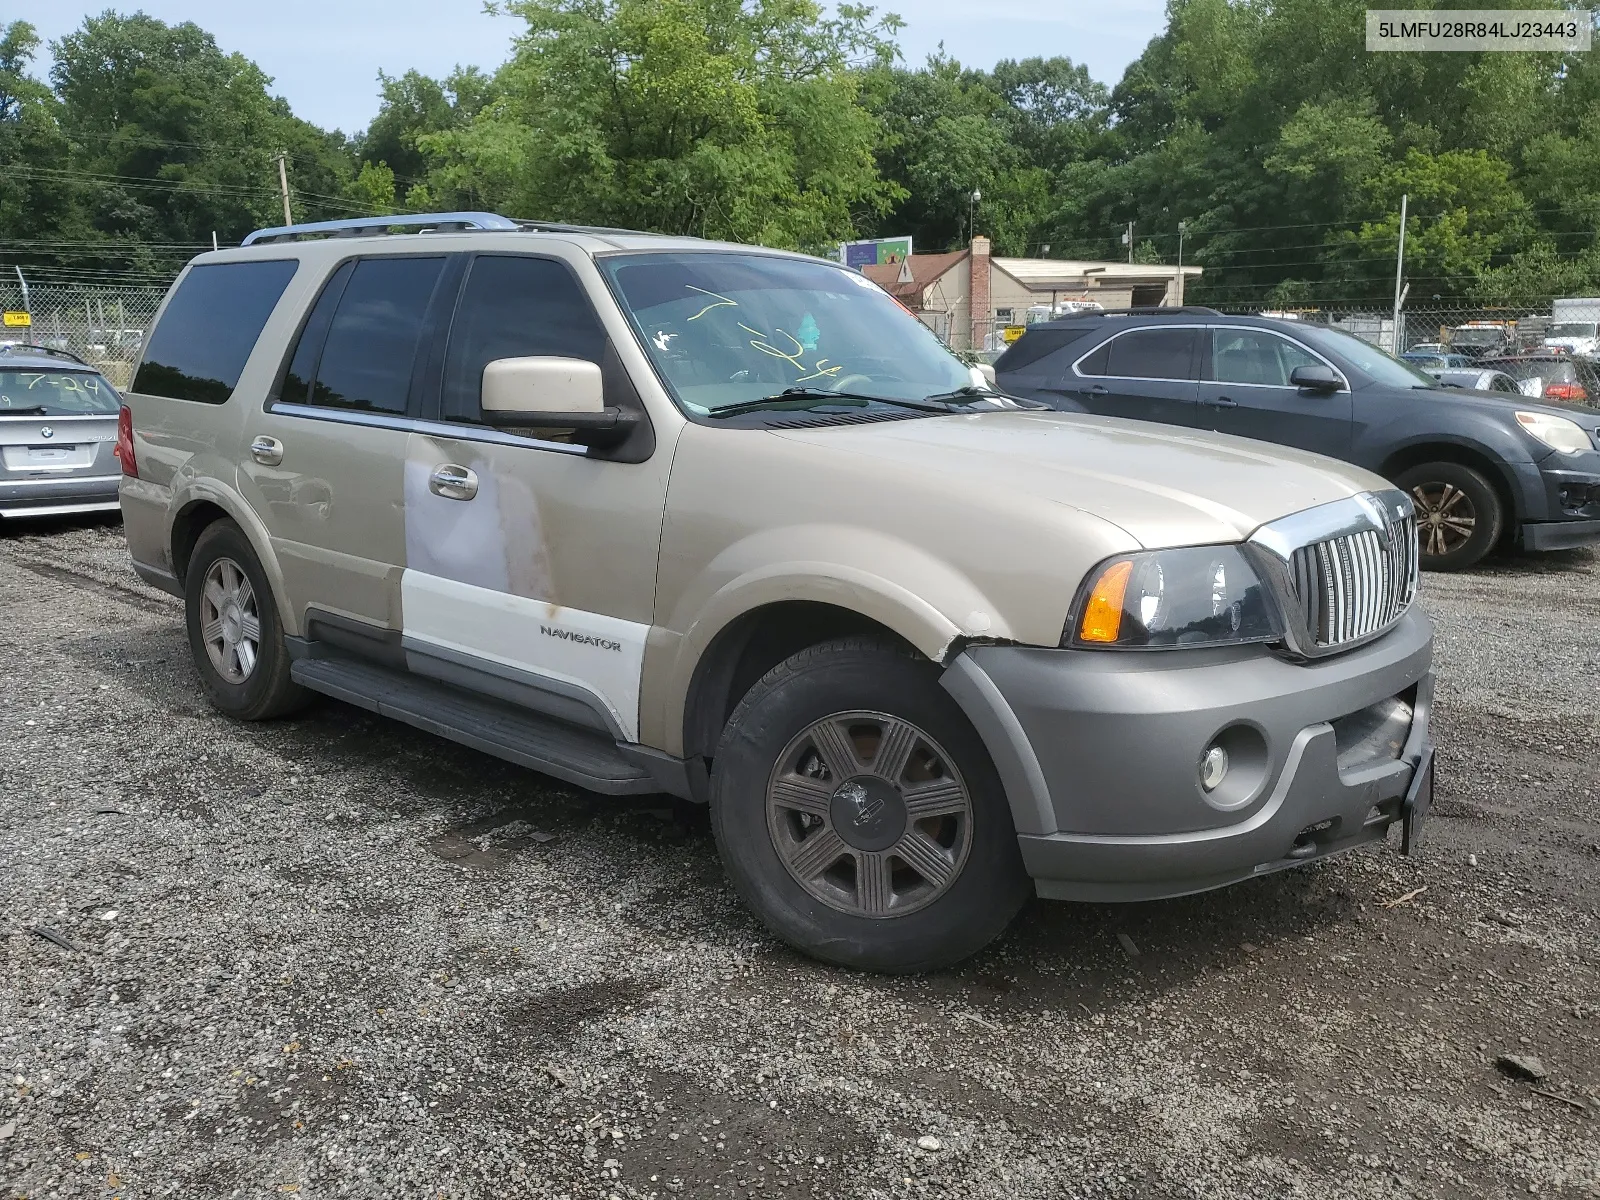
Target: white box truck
{"points": [[1575, 325]]}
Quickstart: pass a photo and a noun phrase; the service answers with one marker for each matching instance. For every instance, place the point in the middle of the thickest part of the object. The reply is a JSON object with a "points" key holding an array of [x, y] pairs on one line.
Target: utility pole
{"points": [[1127, 240], [23, 280], [283, 186], [1183, 227], [1399, 270]]}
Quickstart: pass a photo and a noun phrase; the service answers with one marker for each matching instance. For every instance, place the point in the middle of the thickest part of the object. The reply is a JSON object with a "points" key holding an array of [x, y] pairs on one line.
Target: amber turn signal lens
{"points": [[1102, 615]]}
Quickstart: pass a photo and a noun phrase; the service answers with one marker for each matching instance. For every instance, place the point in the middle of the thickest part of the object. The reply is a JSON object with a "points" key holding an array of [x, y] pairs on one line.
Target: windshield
{"points": [[728, 328], [1364, 356], [56, 394], [1477, 337], [1572, 329]]}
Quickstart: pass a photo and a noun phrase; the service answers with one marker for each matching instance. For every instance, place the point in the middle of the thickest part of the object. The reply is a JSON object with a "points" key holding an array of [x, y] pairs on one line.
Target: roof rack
{"points": [[1165, 310], [34, 348], [377, 226]]}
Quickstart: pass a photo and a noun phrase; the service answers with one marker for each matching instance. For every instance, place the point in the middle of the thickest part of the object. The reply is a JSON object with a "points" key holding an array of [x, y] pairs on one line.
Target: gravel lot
{"points": [[335, 957]]}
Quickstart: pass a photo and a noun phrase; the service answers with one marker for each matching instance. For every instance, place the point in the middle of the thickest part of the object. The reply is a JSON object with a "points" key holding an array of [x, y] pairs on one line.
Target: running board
{"points": [[578, 756]]}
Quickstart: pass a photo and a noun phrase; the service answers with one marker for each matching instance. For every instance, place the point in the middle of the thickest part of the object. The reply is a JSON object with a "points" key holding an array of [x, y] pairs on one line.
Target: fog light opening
{"points": [[1213, 767]]}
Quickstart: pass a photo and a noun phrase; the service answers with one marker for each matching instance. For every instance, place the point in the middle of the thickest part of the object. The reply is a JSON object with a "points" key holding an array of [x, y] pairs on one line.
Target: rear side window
{"points": [[371, 347], [1146, 354], [515, 307], [211, 324], [303, 366], [1038, 351]]}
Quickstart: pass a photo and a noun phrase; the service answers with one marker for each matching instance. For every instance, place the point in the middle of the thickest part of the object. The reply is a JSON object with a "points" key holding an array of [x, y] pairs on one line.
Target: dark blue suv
{"points": [[1484, 468]]}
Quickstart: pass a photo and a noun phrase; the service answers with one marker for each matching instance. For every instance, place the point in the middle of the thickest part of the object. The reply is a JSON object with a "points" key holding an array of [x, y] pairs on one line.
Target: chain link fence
{"points": [[104, 326]]}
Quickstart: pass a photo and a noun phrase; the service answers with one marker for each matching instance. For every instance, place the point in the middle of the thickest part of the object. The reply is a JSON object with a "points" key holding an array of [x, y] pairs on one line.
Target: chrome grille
{"points": [[1356, 584]]}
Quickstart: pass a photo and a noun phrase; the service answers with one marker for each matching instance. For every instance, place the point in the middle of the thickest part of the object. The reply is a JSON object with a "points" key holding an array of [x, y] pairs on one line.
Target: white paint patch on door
{"points": [[597, 652]]}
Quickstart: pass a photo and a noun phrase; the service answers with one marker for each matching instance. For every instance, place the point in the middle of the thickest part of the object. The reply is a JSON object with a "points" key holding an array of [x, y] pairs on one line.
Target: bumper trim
{"points": [[157, 578], [1020, 773], [1558, 535], [63, 509]]}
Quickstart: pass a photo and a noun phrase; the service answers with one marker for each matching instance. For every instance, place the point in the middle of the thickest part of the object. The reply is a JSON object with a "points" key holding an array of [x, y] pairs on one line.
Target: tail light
{"points": [[124, 450], [1565, 391]]}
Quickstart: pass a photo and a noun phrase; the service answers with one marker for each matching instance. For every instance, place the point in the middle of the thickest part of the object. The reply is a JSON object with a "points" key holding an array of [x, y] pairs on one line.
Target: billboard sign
{"points": [[875, 252]]}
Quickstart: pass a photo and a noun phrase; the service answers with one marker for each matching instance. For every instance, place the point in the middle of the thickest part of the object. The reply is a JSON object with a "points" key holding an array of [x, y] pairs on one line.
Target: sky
{"points": [[325, 55]]}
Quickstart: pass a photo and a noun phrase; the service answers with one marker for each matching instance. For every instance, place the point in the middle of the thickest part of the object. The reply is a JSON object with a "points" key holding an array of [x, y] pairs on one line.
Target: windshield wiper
{"points": [[804, 398]]}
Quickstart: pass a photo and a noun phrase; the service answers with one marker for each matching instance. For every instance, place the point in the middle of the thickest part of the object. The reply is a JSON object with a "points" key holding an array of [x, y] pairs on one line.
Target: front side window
{"points": [[515, 307], [210, 326], [50, 393], [1345, 347], [1255, 356], [726, 329], [1145, 354], [372, 341]]}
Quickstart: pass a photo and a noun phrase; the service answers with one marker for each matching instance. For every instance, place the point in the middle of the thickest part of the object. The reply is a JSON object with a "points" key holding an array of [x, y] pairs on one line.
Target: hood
{"points": [[1163, 485], [1504, 404]]}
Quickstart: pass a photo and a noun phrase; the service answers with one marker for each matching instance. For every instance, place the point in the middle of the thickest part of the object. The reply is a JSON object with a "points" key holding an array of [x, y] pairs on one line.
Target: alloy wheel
{"points": [[230, 624], [1446, 517], [869, 814]]}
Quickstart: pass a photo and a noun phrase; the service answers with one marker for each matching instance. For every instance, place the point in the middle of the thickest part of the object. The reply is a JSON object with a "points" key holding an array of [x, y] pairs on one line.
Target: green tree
{"points": [[688, 116]]}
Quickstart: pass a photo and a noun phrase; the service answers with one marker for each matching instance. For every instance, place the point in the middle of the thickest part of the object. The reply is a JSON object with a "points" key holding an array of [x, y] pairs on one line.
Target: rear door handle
{"points": [[1220, 402], [1098, 389], [453, 482], [268, 451]]}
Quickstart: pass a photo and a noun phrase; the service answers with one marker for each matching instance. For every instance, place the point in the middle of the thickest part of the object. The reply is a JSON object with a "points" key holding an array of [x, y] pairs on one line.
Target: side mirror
{"points": [[1315, 378], [532, 391], [983, 374]]}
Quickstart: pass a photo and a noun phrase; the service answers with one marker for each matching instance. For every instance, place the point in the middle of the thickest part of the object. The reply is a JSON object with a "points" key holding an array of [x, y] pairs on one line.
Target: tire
{"points": [[776, 786], [253, 690], [1447, 494]]}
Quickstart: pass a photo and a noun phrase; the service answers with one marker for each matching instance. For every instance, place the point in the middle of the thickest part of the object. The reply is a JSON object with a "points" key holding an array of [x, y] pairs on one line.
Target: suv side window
{"points": [[514, 306], [303, 366], [372, 336], [1255, 356], [209, 328], [1043, 351], [1145, 354]]}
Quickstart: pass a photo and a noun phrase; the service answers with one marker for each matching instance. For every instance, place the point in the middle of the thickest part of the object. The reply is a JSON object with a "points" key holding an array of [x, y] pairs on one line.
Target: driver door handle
{"points": [[452, 482], [1098, 389], [1220, 402]]}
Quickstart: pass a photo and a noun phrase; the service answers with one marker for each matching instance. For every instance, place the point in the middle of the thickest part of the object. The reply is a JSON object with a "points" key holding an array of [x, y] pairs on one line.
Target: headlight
{"points": [[1196, 596], [1556, 432]]}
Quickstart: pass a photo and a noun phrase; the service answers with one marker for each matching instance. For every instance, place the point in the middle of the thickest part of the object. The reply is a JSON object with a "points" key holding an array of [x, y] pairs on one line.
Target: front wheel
{"points": [[858, 813], [1459, 516]]}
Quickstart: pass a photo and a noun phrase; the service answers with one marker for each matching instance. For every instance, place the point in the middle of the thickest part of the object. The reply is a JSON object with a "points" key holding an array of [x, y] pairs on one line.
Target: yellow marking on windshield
{"points": [[759, 342], [722, 301], [821, 371]]}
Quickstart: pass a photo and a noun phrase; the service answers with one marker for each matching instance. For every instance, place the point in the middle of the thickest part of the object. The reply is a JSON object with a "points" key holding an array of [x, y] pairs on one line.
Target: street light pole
{"points": [[1182, 228], [283, 186], [1399, 270], [972, 214]]}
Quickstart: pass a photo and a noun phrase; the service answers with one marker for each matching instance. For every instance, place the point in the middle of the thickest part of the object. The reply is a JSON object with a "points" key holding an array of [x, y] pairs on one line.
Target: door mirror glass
{"points": [[540, 388], [1316, 377]]}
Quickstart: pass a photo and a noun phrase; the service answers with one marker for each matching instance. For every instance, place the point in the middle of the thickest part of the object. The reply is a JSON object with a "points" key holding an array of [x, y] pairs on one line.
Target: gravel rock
{"points": [[930, 1143], [1522, 1066], [334, 916]]}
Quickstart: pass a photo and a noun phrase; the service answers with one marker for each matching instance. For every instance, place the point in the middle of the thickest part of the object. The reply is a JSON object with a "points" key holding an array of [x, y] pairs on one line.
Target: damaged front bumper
{"points": [[1100, 753]]}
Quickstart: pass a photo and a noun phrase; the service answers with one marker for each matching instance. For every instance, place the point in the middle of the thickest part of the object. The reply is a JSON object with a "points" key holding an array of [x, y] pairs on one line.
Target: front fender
{"points": [[927, 602]]}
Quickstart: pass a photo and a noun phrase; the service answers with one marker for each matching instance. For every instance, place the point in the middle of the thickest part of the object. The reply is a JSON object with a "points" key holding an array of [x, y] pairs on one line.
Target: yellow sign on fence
{"points": [[1013, 332], [18, 320]]}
